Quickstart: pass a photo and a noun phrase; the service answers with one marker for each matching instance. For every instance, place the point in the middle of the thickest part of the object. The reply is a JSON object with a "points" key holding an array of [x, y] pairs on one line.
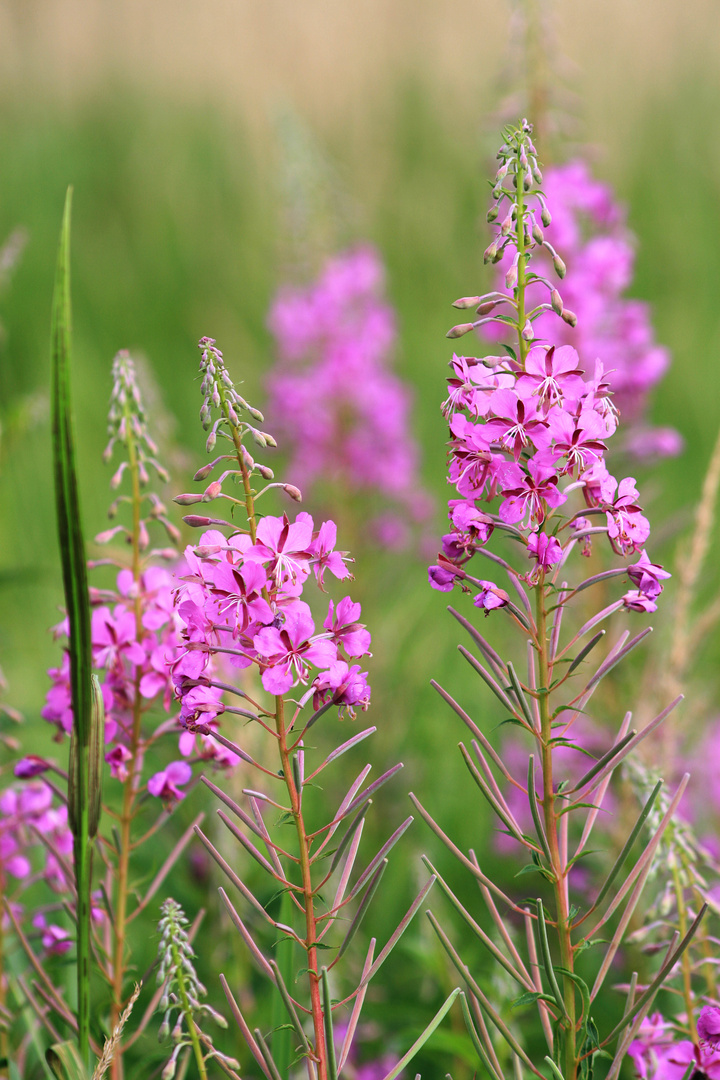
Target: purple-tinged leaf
{"points": [[590, 625], [478, 930], [628, 748], [384, 850], [39, 1011], [250, 848], [347, 835], [347, 868], [362, 909], [261, 961], [239, 885], [464, 973], [357, 1008], [340, 750], [370, 791], [636, 878], [601, 762], [473, 728], [483, 1031], [401, 928], [493, 658], [474, 869], [497, 804], [615, 659], [487, 678]]}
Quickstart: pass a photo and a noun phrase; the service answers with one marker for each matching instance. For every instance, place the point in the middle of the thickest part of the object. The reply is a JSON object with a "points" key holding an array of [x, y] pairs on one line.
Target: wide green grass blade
{"points": [[74, 571]]}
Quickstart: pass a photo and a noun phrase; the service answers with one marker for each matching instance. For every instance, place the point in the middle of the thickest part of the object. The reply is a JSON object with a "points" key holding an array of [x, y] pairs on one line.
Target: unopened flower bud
{"points": [[458, 331], [490, 253], [492, 214], [258, 437], [527, 181], [294, 492], [265, 471], [233, 416], [527, 331], [559, 266], [211, 440], [188, 499], [212, 491], [117, 477], [511, 278], [197, 521], [546, 217], [537, 176], [143, 537], [569, 317], [204, 472], [466, 302], [502, 172], [486, 307], [537, 234]]}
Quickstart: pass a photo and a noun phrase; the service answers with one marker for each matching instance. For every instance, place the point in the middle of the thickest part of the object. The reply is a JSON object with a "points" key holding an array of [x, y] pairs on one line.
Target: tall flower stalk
{"points": [[242, 603], [530, 430]]}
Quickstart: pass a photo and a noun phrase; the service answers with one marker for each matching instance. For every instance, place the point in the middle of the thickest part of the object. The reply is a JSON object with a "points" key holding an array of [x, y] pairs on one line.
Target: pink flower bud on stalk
{"points": [[528, 439]]}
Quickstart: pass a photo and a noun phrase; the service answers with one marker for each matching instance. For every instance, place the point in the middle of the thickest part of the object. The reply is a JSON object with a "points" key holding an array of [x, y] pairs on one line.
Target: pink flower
{"points": [[551, 374], [526, 496], [708, 1026], [164, 785], [344, 686], [55, 940], [546, 549], [117, 759], [287, 651], [284, 547], [647, 576], [346, 630], [490, 597], [323, 551]]}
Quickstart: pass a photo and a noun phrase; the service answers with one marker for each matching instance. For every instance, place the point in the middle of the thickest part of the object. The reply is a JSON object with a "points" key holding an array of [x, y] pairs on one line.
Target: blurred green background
{"points": [[163, 117]]}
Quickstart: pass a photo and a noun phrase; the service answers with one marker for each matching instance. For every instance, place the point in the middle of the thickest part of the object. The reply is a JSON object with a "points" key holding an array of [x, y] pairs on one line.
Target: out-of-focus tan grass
{"points": [[338, 60]]}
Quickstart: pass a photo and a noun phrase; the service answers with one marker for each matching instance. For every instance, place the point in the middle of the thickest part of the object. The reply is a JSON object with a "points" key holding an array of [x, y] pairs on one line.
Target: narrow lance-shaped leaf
{"points": [[618, 864], [420, 1042], [74, 571], [327, 1018]]}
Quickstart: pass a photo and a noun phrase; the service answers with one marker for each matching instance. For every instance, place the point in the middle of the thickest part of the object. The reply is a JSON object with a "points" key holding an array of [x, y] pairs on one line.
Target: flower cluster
{"points": [[31, 825], [333, 398], [532, 427], [242, 598], [657, 1054], [589, 228]]}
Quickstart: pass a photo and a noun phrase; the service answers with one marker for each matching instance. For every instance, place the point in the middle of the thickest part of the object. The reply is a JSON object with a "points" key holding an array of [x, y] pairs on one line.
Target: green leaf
{"points": [[65, 1062], [420, 1042], [282, 1048], [84, 738]]}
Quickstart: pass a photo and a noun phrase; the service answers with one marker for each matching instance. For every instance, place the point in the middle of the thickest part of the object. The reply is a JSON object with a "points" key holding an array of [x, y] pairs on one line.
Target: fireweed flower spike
{"points": [[529, 435], [242, 604], [135, 637], [589, 228], [334, 399]]}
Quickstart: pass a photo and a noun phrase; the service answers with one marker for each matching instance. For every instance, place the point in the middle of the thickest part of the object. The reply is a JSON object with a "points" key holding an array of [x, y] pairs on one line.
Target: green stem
{"points": [[187, 1012], [522, 262]]}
